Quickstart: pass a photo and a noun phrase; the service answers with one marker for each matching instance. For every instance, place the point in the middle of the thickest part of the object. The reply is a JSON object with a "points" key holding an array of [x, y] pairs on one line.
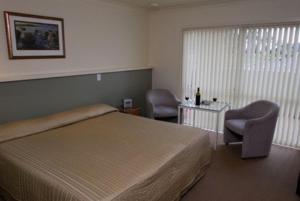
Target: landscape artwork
{"points": [[34, 37]]}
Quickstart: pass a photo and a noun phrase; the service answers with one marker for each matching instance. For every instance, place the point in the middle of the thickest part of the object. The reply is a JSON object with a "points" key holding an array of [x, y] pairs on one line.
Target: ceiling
{"points": [[170, 3]]}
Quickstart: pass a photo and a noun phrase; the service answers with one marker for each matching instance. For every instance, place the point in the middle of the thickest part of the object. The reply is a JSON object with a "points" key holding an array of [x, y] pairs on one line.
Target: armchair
{"points": [[254, 125], [161, 104]]}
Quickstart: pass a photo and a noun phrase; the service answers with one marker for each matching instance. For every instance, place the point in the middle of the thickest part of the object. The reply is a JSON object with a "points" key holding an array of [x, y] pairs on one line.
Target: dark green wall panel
{"points": [[33, 98]]}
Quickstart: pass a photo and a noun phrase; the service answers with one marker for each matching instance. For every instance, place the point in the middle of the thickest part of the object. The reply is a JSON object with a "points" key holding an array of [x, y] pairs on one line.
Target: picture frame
{"points": [[34, 36]]}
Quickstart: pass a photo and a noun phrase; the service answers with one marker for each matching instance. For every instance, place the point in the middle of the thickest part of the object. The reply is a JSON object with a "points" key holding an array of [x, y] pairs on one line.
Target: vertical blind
{"points": [[239, 65]]}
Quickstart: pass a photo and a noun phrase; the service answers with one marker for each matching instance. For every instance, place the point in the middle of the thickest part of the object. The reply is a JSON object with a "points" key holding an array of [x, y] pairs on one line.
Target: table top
{"points": [[213, 106]]}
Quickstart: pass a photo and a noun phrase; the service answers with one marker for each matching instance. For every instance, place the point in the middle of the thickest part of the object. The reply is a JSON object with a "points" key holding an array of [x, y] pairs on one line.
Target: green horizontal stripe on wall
{"points": [[34, 98]]}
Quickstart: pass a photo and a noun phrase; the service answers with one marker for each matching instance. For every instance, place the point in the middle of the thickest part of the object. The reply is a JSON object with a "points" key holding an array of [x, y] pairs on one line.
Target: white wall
{"points": [[166, 26], [98, 35]]}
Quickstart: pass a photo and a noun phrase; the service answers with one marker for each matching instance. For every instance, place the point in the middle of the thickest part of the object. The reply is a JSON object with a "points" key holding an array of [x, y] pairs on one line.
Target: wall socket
{"points": [[98, 77]]}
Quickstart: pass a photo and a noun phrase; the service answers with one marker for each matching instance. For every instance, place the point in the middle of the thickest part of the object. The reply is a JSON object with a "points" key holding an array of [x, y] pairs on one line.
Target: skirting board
{"points": [[10, 78]]}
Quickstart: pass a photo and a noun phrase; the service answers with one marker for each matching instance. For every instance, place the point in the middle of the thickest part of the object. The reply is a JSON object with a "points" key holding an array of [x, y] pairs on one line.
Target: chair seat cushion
{"points": [[236, 125], [165, 111]]}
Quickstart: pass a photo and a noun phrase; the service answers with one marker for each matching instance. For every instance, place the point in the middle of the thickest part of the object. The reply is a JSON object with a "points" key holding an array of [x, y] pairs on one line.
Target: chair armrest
{"points": [[150, 112], [234, 114], [178, 101], [262, 120], [261, 129]]}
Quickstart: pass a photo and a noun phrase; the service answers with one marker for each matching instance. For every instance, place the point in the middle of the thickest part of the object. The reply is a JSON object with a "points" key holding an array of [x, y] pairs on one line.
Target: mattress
{"points": [[84, 155]]}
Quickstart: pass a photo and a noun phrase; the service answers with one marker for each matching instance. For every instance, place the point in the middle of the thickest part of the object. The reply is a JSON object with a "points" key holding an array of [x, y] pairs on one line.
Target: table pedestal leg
{"points": [[217, 131], [194, 118], [180, 115]]}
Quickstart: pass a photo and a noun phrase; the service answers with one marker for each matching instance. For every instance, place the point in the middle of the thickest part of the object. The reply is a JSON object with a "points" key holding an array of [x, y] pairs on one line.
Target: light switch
{"points": [[98, 77]]}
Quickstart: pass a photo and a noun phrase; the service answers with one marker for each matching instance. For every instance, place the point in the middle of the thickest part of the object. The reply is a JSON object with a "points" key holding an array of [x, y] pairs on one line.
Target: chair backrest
{"points": [[261, 108], [161, 97]]}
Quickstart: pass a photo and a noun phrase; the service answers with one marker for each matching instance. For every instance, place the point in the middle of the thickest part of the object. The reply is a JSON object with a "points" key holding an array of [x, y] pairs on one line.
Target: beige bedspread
{"points": [[111, 157]]}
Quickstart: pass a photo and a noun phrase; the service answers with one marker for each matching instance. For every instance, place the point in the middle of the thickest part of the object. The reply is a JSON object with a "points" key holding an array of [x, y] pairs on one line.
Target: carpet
{"points": [[231, 178]]}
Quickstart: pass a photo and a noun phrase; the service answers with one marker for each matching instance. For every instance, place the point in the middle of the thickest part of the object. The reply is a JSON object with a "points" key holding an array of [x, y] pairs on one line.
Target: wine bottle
{"points": [[198, 97]]}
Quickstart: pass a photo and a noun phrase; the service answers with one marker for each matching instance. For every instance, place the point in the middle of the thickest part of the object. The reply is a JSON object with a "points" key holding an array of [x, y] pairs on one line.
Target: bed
{"points": [[96, 153]]}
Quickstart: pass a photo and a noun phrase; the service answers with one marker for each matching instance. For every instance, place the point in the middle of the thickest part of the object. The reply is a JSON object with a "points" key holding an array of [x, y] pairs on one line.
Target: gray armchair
{"points": [[254, 125], [161, 104]]}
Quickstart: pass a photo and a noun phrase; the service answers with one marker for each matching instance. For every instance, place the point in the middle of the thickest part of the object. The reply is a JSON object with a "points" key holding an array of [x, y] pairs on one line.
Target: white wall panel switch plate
{"points": [[98, 77]]}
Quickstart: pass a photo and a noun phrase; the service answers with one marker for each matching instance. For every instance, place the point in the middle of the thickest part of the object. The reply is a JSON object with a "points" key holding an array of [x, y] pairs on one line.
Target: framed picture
{"points": [[34, 37]]}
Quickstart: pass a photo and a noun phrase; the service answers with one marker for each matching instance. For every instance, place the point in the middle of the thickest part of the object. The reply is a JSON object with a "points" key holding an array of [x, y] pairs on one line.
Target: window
{"points": [[243, 64]]}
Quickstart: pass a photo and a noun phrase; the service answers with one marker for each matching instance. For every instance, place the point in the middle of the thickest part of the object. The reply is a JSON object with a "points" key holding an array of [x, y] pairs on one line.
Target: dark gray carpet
{"points": [[230, 178]]}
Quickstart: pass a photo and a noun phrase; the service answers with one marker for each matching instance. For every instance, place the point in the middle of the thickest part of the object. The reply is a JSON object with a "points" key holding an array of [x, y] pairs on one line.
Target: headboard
{"points": [[33, 98]]}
